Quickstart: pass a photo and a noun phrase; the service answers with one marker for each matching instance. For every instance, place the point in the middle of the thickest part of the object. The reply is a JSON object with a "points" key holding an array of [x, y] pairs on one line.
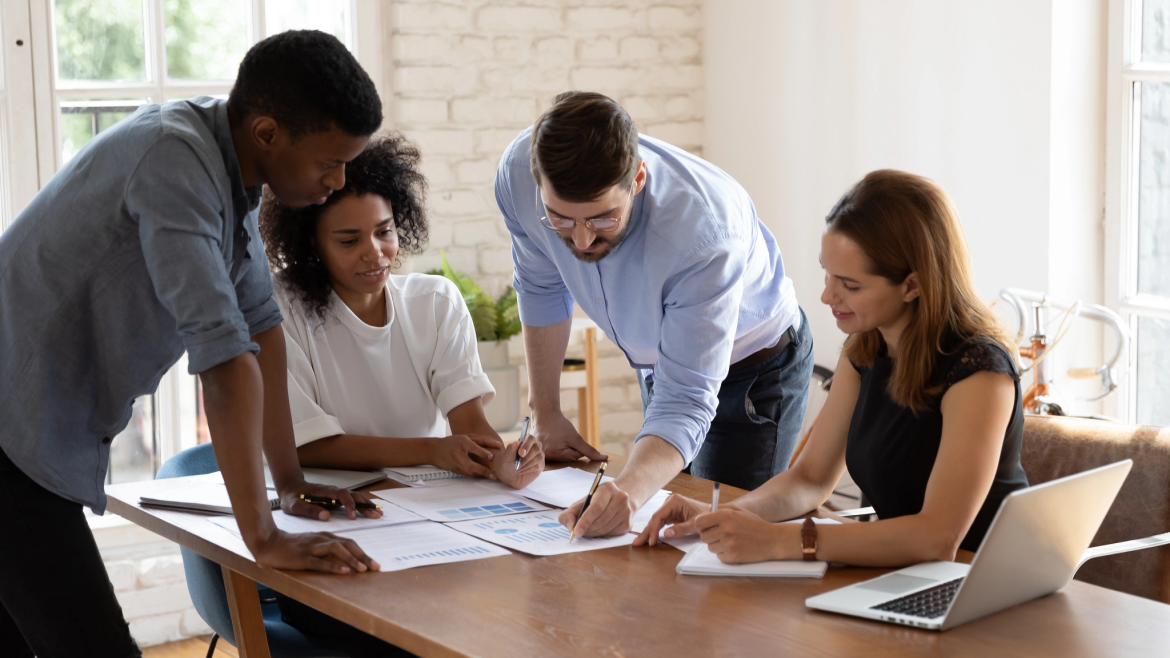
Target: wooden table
{"points": [[629, 602]]}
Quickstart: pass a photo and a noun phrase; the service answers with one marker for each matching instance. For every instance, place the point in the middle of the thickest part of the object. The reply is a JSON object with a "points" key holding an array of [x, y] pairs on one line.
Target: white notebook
{"points": [[701, 562], [424, 473]]}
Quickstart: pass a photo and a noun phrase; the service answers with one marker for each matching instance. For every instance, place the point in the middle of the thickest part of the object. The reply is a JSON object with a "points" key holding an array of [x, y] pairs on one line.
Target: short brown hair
{"points": [[907, 224], [583, 145]]}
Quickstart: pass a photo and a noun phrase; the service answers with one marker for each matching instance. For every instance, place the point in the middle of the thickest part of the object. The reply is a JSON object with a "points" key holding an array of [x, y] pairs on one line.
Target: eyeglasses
{"points": [[598, 224]]}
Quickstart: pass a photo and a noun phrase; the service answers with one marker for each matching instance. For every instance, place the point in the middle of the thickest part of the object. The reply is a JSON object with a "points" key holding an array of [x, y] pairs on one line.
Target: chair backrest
{"points": [[1054, 447], [204, 577]]}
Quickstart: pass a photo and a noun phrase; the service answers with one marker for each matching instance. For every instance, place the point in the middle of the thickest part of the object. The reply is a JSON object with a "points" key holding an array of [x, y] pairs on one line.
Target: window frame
{"points": [[1123, 120], [35, 77]]}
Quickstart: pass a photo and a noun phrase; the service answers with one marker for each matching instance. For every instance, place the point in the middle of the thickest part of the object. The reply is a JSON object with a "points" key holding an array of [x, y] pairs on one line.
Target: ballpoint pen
{"points": [[523, 434], [715, 498], [333, 502], [592, 490]]}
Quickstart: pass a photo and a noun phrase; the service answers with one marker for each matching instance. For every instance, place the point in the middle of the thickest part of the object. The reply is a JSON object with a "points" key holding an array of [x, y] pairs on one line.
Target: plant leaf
{"points": [[466, 286], [484, 316]]}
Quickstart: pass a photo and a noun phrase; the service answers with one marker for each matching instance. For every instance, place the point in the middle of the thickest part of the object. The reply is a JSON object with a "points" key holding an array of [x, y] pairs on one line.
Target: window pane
{"points": [[1153, 371], [132, 452], [99, 39], [330, 16], [206, 39], [81, 120], [1154, 188]]}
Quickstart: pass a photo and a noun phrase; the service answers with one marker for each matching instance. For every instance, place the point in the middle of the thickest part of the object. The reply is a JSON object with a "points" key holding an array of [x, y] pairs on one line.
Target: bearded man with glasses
{"points": [[663, 251]]}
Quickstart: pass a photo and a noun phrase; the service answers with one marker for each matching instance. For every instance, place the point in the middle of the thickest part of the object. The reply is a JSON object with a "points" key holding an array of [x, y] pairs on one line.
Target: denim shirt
{"points": [[697, 283], [144, 245]]}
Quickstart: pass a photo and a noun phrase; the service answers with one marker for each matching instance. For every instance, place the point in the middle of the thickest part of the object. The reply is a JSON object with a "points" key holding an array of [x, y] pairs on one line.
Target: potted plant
{"points": [[495, 321]]}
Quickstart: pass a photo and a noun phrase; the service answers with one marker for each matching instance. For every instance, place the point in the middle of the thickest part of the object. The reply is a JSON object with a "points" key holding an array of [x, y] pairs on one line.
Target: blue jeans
{"points": [[757, 422]]}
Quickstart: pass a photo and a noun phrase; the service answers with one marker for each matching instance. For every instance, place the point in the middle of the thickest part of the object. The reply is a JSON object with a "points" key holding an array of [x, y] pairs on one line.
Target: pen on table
{"points": [[333, 502], [715, 498], [589, 497], [523, 434]]}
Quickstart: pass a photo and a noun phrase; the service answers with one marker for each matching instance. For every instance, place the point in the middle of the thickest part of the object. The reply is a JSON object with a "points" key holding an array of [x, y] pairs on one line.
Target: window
{"points": [[18, 170], [1138, 201], [104, 59]]}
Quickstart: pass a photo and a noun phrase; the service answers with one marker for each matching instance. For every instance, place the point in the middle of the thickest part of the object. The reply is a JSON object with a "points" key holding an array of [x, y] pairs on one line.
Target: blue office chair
{"points": [[205, 581]]}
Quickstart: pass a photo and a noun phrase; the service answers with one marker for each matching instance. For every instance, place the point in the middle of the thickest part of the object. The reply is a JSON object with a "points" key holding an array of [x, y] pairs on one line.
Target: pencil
{"points": [[589, 497]]}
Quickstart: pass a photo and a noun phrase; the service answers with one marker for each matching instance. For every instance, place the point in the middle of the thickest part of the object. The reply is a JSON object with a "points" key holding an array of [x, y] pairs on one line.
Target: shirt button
{"points": [[106, 440], [598, 300]]}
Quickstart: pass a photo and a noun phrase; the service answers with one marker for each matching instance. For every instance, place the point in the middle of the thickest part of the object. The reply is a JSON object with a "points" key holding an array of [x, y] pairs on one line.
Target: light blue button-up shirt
{"points": [[696, 285], [143, 246]]}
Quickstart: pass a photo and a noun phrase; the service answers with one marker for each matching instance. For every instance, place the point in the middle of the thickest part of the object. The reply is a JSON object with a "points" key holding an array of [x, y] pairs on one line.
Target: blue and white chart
{"points": [[535, 533], [399, 547], [458, 503]]}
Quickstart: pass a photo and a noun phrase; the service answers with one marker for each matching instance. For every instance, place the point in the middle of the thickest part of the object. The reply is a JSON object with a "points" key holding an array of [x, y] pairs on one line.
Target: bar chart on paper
{"points": [[418, 544], [536, 533], [458, 503]]}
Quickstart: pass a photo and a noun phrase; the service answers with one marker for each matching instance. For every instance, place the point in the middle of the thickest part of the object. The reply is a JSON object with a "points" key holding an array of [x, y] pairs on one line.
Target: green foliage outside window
{"points": [[494, 319], [100, 39]]}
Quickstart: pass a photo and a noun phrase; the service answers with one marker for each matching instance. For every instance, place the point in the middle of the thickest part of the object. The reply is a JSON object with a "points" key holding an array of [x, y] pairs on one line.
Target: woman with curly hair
{"points": [[378, 363]]}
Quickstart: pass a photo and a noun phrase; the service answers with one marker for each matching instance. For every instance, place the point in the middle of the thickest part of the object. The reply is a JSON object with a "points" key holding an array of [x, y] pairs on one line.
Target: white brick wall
{"points": [[466, 76]]}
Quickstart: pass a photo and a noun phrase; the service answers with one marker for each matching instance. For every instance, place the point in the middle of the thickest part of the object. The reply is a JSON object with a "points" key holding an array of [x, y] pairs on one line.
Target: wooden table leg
{"points": [[247, 618]]}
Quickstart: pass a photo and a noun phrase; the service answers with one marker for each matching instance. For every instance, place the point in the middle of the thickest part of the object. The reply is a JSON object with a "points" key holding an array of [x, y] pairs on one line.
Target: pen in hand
{"points": [[523, 435], [715, 498], [333, 502], [589, 497]]}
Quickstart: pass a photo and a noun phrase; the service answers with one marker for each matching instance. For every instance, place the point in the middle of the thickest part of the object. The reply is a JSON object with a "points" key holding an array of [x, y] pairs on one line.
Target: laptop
{"points": [[1033, 548]]}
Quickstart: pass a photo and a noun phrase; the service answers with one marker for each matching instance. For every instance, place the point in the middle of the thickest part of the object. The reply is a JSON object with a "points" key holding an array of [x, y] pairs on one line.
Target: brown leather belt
{"points": [[764, 354]]}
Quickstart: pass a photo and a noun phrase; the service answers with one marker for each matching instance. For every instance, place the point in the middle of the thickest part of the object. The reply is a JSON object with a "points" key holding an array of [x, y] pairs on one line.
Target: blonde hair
{"points": [[907, 224]]}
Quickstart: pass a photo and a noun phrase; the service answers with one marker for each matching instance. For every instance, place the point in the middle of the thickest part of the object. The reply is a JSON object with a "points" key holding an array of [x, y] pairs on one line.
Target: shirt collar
{"points": [[223, 138]]}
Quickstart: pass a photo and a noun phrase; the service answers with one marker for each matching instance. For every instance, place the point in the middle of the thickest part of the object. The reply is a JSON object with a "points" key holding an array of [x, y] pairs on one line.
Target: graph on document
{"points": [[526, 529], [463, 513], [468, 552]]}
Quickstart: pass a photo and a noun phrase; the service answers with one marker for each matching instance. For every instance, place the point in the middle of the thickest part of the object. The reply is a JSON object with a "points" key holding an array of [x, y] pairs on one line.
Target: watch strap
{"points": [[808, 540]]}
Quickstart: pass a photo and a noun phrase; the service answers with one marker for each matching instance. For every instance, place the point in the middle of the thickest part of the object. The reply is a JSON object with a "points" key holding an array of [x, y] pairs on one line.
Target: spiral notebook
{"points": [[414, 474]]}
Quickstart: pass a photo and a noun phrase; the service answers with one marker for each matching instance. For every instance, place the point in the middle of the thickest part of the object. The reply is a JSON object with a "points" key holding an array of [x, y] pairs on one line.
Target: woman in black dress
{"points": [[925, 406]]}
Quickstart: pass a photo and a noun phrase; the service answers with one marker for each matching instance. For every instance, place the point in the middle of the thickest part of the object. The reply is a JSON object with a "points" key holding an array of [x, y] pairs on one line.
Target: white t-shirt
{"points": [[400, 380]]}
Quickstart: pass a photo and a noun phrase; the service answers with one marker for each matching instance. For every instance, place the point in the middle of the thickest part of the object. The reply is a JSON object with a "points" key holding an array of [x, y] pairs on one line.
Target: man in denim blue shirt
{"points": [[143, 246], [665, 252]]}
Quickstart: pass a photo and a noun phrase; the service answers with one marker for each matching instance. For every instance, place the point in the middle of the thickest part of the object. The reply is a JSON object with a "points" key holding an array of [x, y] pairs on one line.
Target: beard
{"points": [[611, 244]]}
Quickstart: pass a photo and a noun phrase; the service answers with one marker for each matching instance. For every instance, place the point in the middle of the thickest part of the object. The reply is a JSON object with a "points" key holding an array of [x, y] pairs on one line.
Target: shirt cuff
{"points": [[681, 433], [308, 431], [211, 348], [263, 317], [478, 386], [544, 310]]}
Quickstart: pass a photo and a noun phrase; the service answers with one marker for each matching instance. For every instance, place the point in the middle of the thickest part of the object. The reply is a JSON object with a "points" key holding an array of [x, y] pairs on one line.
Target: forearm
{"points": [[544, 349], [279, 445], [365, 453], [786, 496], [652, 463], [233, 399], [891, 543]]}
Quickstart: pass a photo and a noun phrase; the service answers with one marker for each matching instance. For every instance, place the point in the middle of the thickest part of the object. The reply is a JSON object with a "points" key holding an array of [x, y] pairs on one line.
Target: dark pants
{"points": [[56, 600], [757, 422]]}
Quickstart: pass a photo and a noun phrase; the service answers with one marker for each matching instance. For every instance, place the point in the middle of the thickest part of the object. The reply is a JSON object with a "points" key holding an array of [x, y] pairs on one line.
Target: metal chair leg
{"points": [[211, 645]]}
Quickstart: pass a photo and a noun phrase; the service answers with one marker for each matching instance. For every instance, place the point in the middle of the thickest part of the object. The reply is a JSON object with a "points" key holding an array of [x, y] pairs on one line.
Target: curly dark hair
{"points": [[308, 81], [387, 167]]}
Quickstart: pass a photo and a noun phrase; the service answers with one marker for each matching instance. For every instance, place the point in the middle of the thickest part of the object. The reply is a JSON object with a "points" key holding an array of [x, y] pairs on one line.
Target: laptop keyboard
{"points": [[928, 604]]}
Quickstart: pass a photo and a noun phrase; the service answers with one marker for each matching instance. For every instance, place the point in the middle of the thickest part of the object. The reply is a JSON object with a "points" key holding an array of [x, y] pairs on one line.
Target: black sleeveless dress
{"points": [[891, 450]]}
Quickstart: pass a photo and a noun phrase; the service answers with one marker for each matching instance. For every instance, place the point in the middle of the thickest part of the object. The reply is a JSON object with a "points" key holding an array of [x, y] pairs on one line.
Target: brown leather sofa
{"points": [[1055, 447]]}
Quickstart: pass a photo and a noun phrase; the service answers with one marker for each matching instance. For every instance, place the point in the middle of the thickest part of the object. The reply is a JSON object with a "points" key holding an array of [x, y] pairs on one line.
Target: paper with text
{"points": [[410, 545]]}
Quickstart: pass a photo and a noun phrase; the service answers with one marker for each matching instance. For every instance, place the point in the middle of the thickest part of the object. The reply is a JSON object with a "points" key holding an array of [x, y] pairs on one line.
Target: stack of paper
{"points": [[338, 521]]}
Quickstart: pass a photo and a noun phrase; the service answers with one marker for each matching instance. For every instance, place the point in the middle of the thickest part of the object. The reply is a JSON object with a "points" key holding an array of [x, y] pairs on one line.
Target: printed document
{"points": [[536, 533], [457, 503]]}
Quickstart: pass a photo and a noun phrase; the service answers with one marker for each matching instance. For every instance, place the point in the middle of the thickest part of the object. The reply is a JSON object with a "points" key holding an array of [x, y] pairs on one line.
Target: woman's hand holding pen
{"points": [[466, 454], [531, 463]]}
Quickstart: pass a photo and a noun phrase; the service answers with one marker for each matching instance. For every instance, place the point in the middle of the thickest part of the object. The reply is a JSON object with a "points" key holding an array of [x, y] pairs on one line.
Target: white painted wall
{"points": [[999, 101]]}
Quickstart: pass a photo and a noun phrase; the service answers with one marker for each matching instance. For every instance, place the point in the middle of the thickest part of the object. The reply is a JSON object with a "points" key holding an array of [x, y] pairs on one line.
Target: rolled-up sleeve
{"points": [[181, 226], [541, 293], [700, 315]]}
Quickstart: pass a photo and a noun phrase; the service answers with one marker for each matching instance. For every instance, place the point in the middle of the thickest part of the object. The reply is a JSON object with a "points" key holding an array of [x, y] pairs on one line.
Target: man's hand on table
{"points": [[314, 551], [291, 503], [561, 441]]}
